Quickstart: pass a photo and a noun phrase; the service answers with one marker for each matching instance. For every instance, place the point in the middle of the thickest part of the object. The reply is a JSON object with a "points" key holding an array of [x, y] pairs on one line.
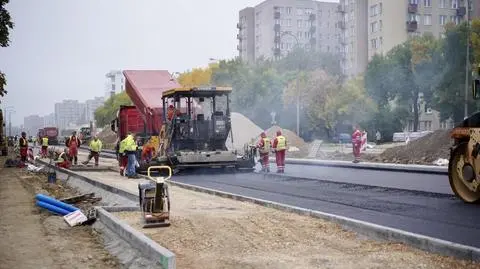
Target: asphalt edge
{"points": [[426, 243], [152, 250]]}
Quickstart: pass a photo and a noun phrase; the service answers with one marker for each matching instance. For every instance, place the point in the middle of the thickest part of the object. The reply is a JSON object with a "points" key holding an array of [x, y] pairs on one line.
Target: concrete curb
{"points": [[162, 256], [381, 232], [409, 168]]}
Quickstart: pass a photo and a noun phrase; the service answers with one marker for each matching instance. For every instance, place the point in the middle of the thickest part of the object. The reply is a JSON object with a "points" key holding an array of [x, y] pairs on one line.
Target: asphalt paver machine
{"points": [[198, 136]]}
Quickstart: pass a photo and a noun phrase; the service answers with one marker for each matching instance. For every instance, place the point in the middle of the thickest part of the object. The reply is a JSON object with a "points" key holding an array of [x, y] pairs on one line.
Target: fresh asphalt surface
{"points": [[418, 203]]}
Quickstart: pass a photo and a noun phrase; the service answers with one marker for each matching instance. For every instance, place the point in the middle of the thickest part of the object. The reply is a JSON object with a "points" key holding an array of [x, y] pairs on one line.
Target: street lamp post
{"points": [[467, 62], [298, 84], [9, 110]]}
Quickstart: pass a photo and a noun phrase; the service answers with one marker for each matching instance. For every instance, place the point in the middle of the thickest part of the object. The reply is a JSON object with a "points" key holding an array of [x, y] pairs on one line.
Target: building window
{"points": [[455, 4], [414, 17], [442, 3], [299, 11], [373, 43], [374, 10], [427, 19], [427, 3], [413, 2], [373, 27], [443, 19], [299, 23], [289, 22], [289, 10], [454, 19]]}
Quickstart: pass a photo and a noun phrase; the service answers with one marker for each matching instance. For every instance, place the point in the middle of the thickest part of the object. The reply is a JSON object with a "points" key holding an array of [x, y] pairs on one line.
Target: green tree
{"points": [[106, 113], [6, 25]]}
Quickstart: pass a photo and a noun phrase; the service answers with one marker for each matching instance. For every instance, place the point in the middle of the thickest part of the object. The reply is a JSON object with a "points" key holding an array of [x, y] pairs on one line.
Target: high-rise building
{"points": [[91, 106], [116, 82], [354, 35], [32, 123], [49, 120], [69, 113], [274, 27]]}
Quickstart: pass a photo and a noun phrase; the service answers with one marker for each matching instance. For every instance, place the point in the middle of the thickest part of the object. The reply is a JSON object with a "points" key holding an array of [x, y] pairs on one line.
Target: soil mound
{"points": [[424, 150], [107, 136]]}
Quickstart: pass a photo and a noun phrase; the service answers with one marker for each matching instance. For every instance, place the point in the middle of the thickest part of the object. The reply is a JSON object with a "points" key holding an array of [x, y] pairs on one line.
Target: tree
{"points": [[106, 113], [197, 76], [6, 25], [305, 60]]}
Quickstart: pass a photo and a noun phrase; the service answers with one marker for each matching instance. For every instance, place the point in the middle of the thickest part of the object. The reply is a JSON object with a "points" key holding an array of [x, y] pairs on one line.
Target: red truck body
{"points": [[52, 134]]}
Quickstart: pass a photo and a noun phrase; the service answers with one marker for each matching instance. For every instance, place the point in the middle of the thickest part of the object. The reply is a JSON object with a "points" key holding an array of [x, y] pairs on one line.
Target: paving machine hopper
{"points": [[198, 137]]}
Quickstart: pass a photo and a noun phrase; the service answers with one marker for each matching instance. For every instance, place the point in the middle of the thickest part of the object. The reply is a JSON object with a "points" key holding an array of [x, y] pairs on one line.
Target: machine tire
{"points": [[460, 190]]}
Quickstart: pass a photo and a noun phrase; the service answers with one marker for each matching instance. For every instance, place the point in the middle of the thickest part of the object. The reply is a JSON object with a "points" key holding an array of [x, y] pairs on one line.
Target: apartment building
{"points": [[392, 22], [32, 123], [353, 36], [115, 83], [90, 107], [274, 27], [68, 113]]}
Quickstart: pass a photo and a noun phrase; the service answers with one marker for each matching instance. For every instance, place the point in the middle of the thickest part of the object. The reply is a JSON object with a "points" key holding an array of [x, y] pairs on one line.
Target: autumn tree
{"points": [[106, 113], [197, 76], [6, 25]]}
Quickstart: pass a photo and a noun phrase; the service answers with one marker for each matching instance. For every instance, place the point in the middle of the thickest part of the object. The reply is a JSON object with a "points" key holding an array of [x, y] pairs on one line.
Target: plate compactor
{"points": [[155, 199]]}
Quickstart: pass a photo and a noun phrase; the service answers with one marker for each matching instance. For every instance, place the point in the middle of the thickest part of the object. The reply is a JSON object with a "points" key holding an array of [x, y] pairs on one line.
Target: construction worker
{"points": [[23, 144], [356, 143], [148, 151], [171, 112], [280, 148], [264, 147], [62, 159], [129, 147], [95, 148], [73, 142], [44, 146]]}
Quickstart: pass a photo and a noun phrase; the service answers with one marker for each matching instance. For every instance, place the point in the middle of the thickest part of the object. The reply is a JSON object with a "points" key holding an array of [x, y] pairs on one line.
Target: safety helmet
{"points": [[263, 135], [279, 132]]}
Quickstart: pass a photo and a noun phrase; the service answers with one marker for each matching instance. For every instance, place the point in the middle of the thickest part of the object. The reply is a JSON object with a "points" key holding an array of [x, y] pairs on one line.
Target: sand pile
{"points": [[244, 130]]}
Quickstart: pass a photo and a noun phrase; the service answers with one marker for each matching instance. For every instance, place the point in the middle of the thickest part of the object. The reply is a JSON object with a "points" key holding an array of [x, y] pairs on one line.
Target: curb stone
{"points": [[162, 256]]}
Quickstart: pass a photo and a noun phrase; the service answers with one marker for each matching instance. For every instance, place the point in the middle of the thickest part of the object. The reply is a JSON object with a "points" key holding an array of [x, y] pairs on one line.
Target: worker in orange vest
{"points": [[356, 143], [23, 143], [264, 146], [171, 112], [280, 148], [73, 142]]}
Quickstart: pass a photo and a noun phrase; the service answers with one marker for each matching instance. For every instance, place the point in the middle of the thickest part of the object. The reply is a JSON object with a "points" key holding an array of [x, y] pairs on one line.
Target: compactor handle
{"points": [[161, 167]]}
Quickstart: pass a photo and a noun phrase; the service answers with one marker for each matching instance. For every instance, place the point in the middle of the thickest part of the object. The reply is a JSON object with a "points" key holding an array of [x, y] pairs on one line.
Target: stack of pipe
{"points": [[54, 205]]}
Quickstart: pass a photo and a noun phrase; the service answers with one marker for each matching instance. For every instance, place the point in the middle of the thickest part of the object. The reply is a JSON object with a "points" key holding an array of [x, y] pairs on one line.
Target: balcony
{"points": [[239, 26], [239, 48], [341, 9], [461, 11], [313, 29], [276, 52], [276, 15], [412, 8], [341, 25], [312, 17], [239, 37], [277, 39], [412, 26], [276, 27]]}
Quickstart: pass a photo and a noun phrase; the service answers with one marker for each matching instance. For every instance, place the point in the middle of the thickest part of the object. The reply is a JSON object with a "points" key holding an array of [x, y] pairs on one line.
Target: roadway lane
{"points": [[390, 179], [437, 215]]}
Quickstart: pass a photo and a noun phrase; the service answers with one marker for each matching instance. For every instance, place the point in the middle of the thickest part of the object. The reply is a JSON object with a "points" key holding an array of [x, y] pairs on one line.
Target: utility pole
{"points": [[467, 62]]}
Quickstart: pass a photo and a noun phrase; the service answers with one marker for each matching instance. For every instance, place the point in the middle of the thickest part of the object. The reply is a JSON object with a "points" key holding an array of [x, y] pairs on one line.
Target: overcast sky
{"points": [[62, 49]]}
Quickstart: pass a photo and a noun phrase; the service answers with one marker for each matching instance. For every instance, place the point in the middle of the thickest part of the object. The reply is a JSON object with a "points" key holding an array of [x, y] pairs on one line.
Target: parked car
{"points": [[343, 138]]}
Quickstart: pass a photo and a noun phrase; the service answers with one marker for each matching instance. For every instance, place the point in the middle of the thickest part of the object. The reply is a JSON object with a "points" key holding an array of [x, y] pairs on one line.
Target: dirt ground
{"points": [[31, 237], [210, 232]]}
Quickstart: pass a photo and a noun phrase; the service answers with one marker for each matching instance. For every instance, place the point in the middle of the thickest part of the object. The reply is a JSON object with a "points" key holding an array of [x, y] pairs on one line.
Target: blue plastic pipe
{"points": [[54, 209], [55, 202]]}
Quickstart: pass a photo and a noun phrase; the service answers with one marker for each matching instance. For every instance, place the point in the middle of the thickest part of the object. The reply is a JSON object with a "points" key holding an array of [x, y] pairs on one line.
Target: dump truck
{"points": [[198, 137], [144, 118], [464, 164], [52, 134]]}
